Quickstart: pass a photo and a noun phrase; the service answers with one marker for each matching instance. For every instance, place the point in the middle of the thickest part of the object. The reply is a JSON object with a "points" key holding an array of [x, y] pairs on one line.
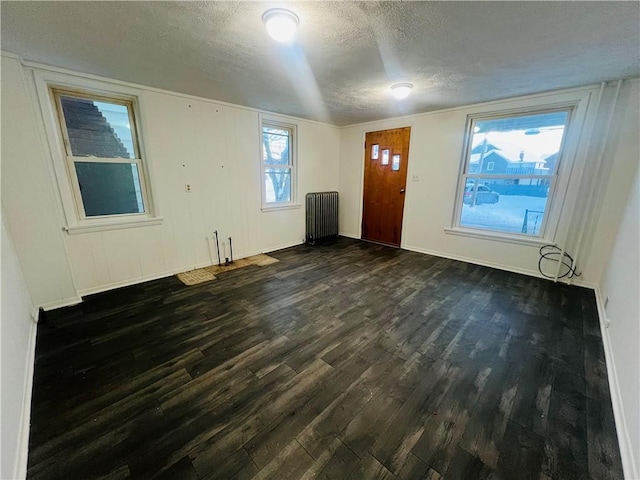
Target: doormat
{"points": [[206, 274]]}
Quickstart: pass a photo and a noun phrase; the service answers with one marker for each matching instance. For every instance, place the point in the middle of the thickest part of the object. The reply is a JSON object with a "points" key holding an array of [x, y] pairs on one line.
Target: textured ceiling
{"points": [[345, 56]]}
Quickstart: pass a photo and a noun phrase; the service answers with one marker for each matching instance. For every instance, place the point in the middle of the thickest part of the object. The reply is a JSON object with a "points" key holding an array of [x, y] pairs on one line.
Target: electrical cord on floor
{"points": [[554, 254]]}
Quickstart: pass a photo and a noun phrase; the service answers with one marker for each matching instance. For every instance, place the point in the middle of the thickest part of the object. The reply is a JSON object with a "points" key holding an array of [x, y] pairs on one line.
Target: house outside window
{"points": [[278, 145], [510, 170], [103, 155]]}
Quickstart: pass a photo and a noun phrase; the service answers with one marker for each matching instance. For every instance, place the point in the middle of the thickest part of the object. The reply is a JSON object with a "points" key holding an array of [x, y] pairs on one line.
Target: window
{"points": [[510, 170], [278, 164], [103, 157]]}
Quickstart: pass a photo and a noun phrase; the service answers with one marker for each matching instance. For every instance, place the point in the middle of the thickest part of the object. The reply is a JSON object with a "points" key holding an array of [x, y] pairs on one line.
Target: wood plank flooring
{"points": [[342, 361]]}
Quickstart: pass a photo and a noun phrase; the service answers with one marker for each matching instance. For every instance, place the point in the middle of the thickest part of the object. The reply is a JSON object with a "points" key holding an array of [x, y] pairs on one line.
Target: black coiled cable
{"points": [[554, 254]]}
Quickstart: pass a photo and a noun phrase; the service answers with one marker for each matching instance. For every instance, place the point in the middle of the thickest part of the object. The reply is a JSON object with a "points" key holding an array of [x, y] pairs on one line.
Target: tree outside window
{"points": [[278, 163]]}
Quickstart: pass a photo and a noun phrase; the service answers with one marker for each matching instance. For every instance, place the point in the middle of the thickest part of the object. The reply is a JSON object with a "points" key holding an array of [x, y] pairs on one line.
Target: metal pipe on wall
{"points": [[593, 199], [217, 246], [569, 231]]}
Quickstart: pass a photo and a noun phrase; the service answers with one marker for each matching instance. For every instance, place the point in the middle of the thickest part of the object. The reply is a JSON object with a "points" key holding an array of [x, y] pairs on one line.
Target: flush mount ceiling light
{"points": [[281, 24], [401, 90]]}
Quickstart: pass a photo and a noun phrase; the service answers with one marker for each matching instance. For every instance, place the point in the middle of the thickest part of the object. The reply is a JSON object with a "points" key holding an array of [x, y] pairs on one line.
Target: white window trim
{"points": [[576, 103], [518, 239], [75, 220], [293, 152]]}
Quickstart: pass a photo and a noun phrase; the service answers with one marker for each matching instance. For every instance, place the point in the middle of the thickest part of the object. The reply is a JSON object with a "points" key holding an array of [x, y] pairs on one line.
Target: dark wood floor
{"points": [[348, 360]]}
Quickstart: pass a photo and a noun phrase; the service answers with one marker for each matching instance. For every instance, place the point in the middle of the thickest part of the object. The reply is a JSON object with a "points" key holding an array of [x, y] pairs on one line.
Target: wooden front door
{"points": [[385, 179]]}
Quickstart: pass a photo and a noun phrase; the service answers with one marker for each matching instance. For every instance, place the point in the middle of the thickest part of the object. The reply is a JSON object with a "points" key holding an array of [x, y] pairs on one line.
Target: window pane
{"points": [[277, 183], [395, 165], [276, 144], [275, 131], [109, 188], [99, 129], [506, 205], [523, 145]]}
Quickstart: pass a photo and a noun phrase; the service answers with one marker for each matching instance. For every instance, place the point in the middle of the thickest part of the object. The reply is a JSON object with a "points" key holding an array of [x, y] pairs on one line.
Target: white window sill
{"points": [[113, 225], [276, 207], [499, 237]]}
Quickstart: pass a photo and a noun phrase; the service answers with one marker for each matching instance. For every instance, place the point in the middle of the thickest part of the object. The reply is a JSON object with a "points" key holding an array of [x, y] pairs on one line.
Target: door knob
{"points": [[402, 190]]}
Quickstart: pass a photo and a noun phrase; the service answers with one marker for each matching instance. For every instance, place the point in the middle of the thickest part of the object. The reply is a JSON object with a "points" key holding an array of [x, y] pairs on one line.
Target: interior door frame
{"points": [[363, 141]]}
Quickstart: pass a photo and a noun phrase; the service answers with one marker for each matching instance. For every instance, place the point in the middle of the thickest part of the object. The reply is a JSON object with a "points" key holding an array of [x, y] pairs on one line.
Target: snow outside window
{"points": [[510, 172]]}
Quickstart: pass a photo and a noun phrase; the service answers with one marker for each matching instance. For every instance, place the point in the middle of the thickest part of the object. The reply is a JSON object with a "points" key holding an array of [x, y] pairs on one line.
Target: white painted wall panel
{"points": [[621, 160], [28, 198], [214, 148], [98, 255], [82, 259], [149, 252], [615, 253], [17, 333], [350, 176], [121, 255], [621, 284]]}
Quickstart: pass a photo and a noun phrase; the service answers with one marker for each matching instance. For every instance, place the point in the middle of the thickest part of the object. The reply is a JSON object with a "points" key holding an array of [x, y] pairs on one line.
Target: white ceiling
{"points": [[346, 54]]}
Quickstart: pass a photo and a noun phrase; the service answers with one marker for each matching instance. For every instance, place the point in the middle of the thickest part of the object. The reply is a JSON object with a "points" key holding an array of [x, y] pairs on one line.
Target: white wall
{"points": [[213, 147], [621, 284], [28, 199], [435, 156], [621, 159], [614, 258], [17, 333]]}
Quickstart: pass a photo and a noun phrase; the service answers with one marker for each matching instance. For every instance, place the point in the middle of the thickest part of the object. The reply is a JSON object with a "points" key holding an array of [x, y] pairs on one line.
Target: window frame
{"points": [[71, 159], [292, 128], [551, 214], [71, 206]]}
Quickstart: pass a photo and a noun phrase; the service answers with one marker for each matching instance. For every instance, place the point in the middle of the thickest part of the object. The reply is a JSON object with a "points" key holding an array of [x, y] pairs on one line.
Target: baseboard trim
{"points": [[148, 278], [580, 283], [498, 266], [622, 431], [22, 451], [67, 302], [134, 281], [349, 235], [283, 246], [460, 258]]}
